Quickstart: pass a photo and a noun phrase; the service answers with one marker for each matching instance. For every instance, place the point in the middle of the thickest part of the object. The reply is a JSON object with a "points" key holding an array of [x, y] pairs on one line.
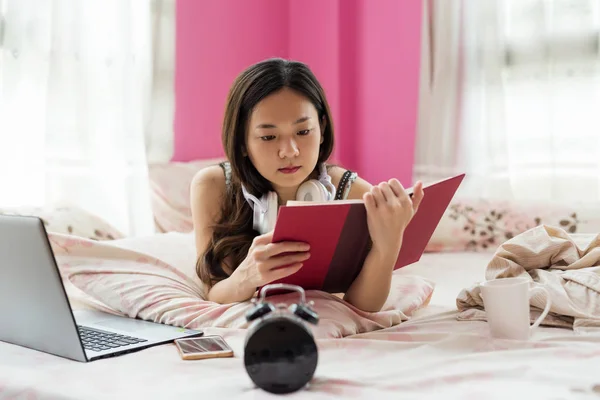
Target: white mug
{"points": [[506, 303]]}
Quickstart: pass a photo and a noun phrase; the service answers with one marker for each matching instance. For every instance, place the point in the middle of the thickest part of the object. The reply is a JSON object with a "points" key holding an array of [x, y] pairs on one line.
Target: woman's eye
{"points": [[267, 138], [304, 132]]}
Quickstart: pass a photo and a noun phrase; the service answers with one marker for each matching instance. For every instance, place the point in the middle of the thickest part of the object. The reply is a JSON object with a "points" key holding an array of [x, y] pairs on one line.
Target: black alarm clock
{"points": [[280, 353]]}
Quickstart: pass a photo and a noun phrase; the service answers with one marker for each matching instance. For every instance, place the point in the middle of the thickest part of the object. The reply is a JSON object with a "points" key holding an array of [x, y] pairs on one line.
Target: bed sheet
{"points": [[450, 272], [430, 356], [436, 358]]}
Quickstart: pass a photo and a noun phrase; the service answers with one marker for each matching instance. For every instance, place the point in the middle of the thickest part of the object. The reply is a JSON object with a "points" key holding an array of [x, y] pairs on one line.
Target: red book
{"points": [[339, 237]]}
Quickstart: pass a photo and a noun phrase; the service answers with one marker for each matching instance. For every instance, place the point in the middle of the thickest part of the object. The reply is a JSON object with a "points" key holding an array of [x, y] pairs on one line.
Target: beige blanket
{"points": [[567, 265]]}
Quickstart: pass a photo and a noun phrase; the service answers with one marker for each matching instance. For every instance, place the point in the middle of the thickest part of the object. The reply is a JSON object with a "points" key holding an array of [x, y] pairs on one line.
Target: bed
{"points": [[428, 355], [416, 347]]}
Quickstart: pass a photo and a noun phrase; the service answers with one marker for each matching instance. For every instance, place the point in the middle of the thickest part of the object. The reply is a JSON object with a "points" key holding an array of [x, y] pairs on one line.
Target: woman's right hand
{"points": [[267, 262]]}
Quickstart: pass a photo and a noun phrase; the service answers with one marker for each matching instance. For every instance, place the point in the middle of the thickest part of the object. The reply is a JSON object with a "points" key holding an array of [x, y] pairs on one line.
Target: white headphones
{"points": [[265, 209]]}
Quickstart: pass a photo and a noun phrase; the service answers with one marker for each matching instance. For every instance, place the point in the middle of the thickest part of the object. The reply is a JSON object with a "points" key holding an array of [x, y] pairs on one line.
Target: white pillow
{"points": [[170, 190]]}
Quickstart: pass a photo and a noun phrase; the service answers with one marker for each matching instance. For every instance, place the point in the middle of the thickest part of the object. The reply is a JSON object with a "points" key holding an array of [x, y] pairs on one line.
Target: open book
{"points": [[339, 238]]}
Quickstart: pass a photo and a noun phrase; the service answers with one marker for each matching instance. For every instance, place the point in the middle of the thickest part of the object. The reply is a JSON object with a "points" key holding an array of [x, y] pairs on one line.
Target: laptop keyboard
{"points": [[97, 340]]}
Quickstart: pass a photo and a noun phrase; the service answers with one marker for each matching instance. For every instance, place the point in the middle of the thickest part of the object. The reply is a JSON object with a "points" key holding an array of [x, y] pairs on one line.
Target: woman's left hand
{"points": [[389, 210]]}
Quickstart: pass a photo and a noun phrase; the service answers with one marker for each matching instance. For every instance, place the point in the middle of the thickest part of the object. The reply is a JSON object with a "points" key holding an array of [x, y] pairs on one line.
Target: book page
{"points": [[298, 203]]}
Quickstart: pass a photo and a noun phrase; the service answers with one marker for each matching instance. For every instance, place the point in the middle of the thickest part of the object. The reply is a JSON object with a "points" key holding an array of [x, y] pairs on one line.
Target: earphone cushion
{"points": [[312, 190], [265, 221], [271, 214]]}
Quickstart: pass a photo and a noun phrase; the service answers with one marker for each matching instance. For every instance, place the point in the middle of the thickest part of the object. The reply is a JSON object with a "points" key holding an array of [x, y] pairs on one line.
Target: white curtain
{"points": [[85, 100], [439, 90], [529, 125], [159, 129]]}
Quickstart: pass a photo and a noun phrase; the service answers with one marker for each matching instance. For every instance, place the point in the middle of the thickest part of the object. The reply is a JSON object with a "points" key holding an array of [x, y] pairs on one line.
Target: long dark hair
{"points": [[233, 233]]}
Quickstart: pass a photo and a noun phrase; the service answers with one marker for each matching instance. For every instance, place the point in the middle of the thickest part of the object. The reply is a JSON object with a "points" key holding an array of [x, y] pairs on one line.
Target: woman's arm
{"points": [[265, 262], [371, 288], [206, 196], [389, 210], [230, 290]]}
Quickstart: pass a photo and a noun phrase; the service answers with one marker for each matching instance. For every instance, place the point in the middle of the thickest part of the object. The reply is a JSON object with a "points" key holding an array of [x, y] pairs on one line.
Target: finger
{"points": [[387, 193], [397, 187], [405, 199], [283, 272], [370, 204], [418, 195], [377, 196], [400, 192], [264, 238], [274, 249], [286, 260]]}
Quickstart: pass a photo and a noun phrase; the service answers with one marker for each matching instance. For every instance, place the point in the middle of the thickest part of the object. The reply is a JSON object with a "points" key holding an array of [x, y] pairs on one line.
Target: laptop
{"points": [[36, 312]]}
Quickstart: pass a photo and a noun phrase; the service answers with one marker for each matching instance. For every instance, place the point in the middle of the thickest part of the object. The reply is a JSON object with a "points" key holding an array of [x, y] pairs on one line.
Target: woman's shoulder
{"points": [[208, 185], [210, 175]]}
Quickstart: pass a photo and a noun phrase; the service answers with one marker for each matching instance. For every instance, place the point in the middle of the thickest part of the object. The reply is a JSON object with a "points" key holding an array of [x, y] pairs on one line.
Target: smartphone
{"points": [[203, 347]]}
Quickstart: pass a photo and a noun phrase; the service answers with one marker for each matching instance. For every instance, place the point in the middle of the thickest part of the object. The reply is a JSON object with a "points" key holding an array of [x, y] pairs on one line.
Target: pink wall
{"points": [[365, 54]]}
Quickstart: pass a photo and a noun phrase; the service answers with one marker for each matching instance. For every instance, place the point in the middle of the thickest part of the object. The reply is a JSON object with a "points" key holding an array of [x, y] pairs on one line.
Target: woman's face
{"points": [[283, 139]]}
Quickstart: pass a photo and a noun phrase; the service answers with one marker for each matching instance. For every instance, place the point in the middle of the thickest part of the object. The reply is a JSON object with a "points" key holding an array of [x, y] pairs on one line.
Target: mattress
{"points": [[429, 356]]}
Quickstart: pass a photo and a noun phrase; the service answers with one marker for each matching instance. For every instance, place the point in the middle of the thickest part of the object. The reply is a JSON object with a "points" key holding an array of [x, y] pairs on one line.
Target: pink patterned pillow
{"points": [[153, 278], [69, 220], [170, 186], [482, 225]]}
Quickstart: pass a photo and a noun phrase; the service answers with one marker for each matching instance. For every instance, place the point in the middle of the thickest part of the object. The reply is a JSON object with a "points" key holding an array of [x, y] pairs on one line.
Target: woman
{"points": [[278, 133]]}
